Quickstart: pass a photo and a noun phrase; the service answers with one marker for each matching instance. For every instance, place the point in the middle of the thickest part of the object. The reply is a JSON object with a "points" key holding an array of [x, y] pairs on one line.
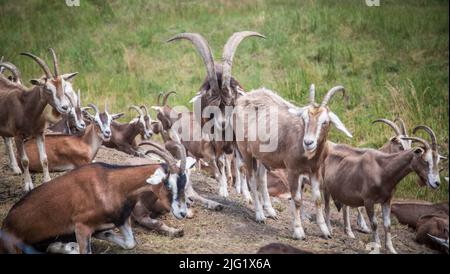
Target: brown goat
{"points": [[21, 110], [221, 90], [365, 177], [432, 231], [279, 248], [66, 152], [93, 199], [299, 136]]}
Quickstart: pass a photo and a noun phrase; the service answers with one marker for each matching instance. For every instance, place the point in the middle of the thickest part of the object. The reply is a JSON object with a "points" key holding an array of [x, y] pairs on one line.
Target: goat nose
{"points": [[183, 214], [308, 142], [65, 107]]}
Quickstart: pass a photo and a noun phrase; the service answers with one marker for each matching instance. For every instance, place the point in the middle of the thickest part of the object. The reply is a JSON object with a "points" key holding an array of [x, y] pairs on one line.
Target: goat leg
{"points": [[40, 142], [28, 184], [317, 198], [296, 203], [362, 226], [9, 151], [83, 235], [347, 223], [241, 180], [326, 197], [373, 222], [386, 210], [262, 182], [158, 226], [125, 239], [221, 176]]}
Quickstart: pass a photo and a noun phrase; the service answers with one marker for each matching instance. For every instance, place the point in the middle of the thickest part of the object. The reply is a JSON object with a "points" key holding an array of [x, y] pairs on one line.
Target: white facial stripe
{"points": [[432, 177], [322, 119], [173, 186]]}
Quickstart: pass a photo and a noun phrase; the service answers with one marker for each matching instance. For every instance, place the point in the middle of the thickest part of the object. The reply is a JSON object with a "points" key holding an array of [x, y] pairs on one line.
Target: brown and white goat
{"points": [[203, 149], [299, 135], [72, 123], [66, 152], [21, 110], [394, 145], [94, 199], [365, 177], [220, 89], [124, 135]]}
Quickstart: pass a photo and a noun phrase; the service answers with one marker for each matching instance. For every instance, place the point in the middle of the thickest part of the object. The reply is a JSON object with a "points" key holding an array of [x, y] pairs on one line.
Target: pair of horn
{"points": [[167, 156], [227, 58], [398, 131], [328, 96], [430, 132], [165, 97], [44, 65]]}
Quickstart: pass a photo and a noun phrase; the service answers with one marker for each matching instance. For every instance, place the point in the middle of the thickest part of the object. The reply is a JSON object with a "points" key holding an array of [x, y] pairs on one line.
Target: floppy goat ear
{"points": [[157, 177], [338, 124], [69, 76], [38, 82]]}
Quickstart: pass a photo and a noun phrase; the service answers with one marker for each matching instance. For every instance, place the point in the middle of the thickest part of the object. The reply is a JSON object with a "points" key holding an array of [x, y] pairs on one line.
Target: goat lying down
{"points": [[429, 220], [66, 152], [365, 177], [93, 199]]}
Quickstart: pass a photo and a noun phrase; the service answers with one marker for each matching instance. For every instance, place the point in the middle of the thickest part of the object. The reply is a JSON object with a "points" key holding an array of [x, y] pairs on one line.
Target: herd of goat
{"points": [[52, 132]]}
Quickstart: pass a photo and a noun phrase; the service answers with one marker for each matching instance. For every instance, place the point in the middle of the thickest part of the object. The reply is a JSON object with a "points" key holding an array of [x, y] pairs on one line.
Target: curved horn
{"points": [[15, 72], [40, 62], [158, 101], [419, 140], [144, 107], [167, 96], [94, 107], [206, 54], [389, 123], [228, 54], [312, 94], [330, 94], [430, 132], [402, 125], [164, 156], [137, 109], [55, 62], [163, 153]]}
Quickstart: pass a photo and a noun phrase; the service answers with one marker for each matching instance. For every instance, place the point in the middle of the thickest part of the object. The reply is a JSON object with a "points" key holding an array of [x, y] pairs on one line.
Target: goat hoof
{"points": [[350, 234], [299, 235], [218, 207], [177, 233]]}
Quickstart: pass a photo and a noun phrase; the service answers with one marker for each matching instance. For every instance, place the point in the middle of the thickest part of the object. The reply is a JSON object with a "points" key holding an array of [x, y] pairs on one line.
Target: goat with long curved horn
{"points": [[13, 69], [138, 110], [55, 62], [389, 123], [330, 94], [430, 133], [228, 54], [402, 125], [166, 96], [205, 52], [40, 62]]}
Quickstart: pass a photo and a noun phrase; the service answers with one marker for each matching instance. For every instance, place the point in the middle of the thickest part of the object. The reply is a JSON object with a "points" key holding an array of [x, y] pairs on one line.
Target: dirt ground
{"points": [[232, 230]]}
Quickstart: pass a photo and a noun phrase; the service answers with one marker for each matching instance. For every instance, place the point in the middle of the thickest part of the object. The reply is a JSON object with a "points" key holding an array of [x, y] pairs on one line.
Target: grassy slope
{"points": [[392, 59]]}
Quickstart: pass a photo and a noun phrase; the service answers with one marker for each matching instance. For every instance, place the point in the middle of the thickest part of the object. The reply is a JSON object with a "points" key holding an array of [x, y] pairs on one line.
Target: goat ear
{"points": [[37, 82], [441, 157], [117, 115], [338, 124], [157, 108], [69, 76], [296, 111], [196, 97], [157, 177], [87, 115], [190, 162]]}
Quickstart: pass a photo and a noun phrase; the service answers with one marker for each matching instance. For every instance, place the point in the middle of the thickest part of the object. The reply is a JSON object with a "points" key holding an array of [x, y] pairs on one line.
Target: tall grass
{"points": [[392, 59]]}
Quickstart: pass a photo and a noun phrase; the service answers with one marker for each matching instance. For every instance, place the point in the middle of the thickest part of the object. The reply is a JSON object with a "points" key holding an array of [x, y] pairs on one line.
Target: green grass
{"points": [[392, 59]]}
